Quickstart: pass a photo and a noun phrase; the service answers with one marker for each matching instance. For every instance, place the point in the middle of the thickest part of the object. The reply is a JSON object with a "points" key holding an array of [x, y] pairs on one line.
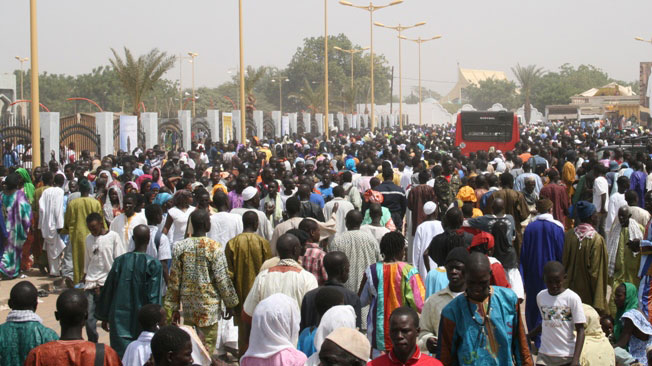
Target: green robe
{"points": [[18, 338], [75, 225], [626, 266], [134, 281], [245, 254], [586, 268]]}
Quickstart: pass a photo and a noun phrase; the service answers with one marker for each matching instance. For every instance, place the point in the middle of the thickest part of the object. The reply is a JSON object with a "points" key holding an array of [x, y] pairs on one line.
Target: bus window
{"points": [[481, 130]]}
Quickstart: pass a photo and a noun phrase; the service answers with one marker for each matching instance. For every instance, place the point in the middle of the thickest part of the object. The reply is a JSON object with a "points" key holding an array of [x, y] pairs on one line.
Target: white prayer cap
{"points": [[429, 207], [249, 193]]}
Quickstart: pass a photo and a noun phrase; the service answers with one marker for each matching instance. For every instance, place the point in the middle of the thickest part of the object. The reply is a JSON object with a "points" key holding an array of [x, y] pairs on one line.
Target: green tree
{"points": [[556, 87], [138, 76], [311, 98], [527, 76], [308, 64], [491, 91]]}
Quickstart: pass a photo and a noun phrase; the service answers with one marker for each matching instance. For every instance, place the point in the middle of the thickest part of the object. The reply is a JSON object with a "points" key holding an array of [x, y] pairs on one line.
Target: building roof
{"points": [[476, 76], [611, 89], [467, 77]]}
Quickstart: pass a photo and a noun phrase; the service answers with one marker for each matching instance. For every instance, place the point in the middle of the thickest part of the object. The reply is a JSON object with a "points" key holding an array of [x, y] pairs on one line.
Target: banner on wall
{"points": [[128, 133], [285, 125], [227, 127]]}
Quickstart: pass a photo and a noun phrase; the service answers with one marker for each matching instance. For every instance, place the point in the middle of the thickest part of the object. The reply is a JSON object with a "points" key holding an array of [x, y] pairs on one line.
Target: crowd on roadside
{"points": [[389, 248]]}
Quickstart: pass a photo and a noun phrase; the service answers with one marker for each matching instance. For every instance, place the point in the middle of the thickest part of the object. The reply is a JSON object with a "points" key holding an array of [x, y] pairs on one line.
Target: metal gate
{"points": [[81, 131], [16, 135]]}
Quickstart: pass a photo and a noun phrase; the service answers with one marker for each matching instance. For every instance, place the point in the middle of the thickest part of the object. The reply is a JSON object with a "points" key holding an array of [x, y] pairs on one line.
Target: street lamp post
{"points": [[326, 67], [243, 115], [36, 121], [351, 52], [400, 28], [22, 74], [371, 8], [420, 41], [280, 91], [192, 61]]}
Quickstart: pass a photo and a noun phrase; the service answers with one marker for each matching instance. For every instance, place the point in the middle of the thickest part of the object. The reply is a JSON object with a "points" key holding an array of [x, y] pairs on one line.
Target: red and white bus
{"points": [[477, 131]]}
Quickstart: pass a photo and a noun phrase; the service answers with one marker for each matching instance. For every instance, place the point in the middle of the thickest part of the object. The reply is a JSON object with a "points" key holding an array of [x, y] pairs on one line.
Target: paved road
{"points": [[47, 305]]}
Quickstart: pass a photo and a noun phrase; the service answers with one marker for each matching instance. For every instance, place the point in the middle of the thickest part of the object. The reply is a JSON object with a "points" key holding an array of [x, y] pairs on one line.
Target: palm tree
{"points": [[526, 77], [311, 98], [252, 77], [138, 76]]}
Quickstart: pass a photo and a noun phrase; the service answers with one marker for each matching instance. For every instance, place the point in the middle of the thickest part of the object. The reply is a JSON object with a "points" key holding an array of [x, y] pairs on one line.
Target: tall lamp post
{"points": [[192, 61], [326, 67], [22, 74], [36, 120], [280, 80], [420, 41], [400, 28], [371, 8], [351, 52], [243, 114]]}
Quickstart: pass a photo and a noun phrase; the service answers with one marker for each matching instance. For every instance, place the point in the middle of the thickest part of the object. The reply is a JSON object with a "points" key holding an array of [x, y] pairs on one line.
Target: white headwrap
{"points": [[340, 316], [276, 325]]}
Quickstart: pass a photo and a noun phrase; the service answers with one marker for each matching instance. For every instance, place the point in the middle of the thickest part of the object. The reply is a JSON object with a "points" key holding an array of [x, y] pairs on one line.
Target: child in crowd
{"points": [[561, 312]]}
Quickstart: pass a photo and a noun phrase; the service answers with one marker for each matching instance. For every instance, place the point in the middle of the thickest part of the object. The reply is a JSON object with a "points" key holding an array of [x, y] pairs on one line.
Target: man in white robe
{"points": [[125, 223], [344, 206], [423, 236], [50, 221], [251, 202], [224, 225]]}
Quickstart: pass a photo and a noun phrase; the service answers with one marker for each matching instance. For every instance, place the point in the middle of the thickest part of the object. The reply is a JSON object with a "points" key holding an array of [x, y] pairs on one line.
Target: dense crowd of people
{"points": [[387, 248]]}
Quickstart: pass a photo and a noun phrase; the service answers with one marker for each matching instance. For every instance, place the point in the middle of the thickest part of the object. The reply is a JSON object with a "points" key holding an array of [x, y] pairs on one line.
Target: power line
{"points": [[430, 81]]}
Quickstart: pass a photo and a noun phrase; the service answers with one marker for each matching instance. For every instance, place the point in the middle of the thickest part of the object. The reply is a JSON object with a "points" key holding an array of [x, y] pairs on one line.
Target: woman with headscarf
{"points": [[145, 185], [17, 214], [155, 172], [631, 329], [108, 176], [142, 178], [339, 316], [113, 204], [130, 187], [274, 334], [597, 349], [626, 298], [28, 187]]}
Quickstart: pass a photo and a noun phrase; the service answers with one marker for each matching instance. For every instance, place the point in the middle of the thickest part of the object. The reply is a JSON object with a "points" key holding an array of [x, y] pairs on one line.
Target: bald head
{"points": [[337, 266], [478, 277], [141, 236], [23, 296], [498, 206], [478, 262], [353, 220], [72, 308], [288, 247], [201, 221]]}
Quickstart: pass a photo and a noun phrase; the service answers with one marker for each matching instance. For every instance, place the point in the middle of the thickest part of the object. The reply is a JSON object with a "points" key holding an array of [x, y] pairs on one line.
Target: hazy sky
{"points": [[76, 35]]}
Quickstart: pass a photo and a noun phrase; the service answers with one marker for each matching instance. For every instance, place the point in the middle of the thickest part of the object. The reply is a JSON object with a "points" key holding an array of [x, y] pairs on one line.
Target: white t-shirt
{"points": [[179, 221], [600, 187], [559, 315]]}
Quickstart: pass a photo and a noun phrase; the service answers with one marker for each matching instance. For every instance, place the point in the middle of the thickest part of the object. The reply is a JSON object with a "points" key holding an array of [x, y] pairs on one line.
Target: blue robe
{"points": [[543, 241], [462, 340]]}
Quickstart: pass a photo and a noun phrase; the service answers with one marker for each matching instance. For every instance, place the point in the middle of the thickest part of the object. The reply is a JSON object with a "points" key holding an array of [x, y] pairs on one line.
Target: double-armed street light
{"points": [[400, 28], [371, 8], [192, 56], [280, 80], [420, 41]]}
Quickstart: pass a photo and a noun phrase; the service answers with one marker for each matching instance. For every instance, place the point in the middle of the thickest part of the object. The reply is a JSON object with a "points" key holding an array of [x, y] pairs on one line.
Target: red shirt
{"points": [[418, 358], [313, 262]]}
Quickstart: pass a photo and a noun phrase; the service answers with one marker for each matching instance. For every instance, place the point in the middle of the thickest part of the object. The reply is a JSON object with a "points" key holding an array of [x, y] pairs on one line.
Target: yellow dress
{"points": [[75, 225]]}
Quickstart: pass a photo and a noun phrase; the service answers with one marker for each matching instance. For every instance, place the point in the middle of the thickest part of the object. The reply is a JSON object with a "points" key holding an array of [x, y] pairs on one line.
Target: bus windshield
{"points": [[481, 127]]}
